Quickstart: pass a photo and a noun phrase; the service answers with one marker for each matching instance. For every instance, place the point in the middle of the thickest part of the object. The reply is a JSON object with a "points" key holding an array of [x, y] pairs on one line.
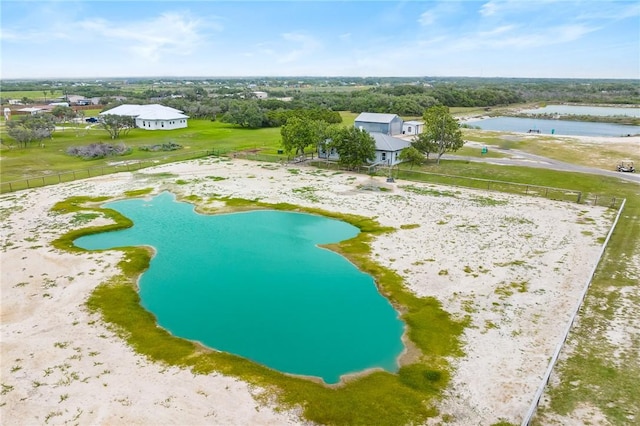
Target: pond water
{"points": [[557, 127], [256, 284], [586, 110]]}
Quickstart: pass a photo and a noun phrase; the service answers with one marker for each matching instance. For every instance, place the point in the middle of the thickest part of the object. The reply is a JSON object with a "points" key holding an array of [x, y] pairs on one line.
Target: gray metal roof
{"points": [[389, 143], [374, 117]]}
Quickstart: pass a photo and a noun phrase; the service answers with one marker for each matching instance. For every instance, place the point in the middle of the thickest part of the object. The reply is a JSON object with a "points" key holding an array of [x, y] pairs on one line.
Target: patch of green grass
{"points": [[380, 398], [307, 192], [427, 191], [138, 192], [410, 226], [486, 201]]}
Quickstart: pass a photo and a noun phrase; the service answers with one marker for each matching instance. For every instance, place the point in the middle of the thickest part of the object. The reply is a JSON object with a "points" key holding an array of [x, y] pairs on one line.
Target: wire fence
{"points": [[114, 167], [551, 193]]}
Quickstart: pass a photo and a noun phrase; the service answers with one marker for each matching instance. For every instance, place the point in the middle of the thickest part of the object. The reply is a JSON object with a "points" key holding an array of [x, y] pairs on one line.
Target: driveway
{"points": [[520, 158]]}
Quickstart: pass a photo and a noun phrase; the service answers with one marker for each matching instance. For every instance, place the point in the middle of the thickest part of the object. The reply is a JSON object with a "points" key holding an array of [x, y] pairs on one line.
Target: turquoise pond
{"points": [[257, 285]]}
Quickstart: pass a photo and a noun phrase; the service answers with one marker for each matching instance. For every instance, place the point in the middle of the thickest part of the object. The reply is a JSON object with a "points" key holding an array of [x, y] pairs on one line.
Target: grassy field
{"points": [[34, 95], [18, 163]]}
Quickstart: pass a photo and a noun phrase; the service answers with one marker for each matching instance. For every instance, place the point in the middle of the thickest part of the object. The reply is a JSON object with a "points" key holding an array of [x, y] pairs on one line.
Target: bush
{"points": [[98, 150], [171, 146]]}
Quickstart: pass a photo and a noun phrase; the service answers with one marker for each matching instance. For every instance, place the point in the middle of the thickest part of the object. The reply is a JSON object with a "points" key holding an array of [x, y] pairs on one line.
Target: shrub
{"points": [[98, 150], [171, 146]]}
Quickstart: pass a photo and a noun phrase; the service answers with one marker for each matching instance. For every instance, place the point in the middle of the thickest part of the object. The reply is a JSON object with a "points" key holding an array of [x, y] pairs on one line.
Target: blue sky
{"points": [[485, 38]]}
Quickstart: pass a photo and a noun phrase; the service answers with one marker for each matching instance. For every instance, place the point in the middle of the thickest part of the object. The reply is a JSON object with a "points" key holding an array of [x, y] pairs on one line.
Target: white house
{"points": [[412, 127], [388, 149], [152, 117], [261, 95]]}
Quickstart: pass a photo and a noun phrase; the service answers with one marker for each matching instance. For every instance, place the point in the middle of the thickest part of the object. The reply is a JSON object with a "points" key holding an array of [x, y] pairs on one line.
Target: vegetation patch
{"points": [[138, 192], [307, 192], [486, 201], [410, 226], [379, 398], [98, 150], [428, 191], [170, 146]]}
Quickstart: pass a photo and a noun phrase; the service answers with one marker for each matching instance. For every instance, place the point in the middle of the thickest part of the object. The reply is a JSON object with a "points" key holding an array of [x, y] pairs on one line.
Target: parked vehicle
{"points": [[626, 166]]}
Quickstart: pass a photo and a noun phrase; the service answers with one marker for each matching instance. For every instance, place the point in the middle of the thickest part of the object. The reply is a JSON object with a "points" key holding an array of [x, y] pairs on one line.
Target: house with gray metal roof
{"points": [[152, 117], [388, 149], [389, 124]]}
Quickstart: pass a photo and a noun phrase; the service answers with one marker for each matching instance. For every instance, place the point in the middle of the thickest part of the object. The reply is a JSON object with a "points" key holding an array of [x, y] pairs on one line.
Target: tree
{"points": [[411, 156], [354, 146], [424, 144], [63, 113], [116, 124], [245, 114], [299, 133], [441, 129], [31, 128]]}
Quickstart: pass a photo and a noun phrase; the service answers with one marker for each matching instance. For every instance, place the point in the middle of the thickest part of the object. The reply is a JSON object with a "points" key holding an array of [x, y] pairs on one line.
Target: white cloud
{"points": [[305, 46], [427, 18], [170, 33]]}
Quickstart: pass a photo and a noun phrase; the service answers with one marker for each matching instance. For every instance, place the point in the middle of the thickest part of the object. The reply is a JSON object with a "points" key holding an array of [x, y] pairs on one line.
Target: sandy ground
{"points": [[514, 264]]}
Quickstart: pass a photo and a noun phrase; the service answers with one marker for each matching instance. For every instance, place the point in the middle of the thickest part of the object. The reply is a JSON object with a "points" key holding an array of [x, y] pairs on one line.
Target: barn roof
{"points": [[374, 117]]}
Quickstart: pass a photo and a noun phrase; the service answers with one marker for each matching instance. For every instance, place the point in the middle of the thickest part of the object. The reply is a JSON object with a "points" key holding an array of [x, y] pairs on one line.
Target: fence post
{"points": [[579, 197]]}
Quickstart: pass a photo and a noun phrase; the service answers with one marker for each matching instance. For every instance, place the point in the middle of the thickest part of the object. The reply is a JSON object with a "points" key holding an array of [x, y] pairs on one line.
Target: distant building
{"points": [[30, 110], [261, 95], [152, 117], [389, 124]]}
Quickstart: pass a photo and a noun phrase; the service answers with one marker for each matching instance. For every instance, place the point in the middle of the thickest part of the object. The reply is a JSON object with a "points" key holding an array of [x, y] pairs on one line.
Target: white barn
{"points": [[152, 117], [412, 127]]}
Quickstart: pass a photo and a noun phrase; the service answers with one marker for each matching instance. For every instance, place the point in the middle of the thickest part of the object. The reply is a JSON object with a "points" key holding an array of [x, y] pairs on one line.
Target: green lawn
{"points": [[18, 163], [34, 95]]}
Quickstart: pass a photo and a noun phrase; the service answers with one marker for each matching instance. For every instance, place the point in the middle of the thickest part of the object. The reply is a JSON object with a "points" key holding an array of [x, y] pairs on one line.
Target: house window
{"points": [[384, 156], [162, 124], [409, 129]]}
